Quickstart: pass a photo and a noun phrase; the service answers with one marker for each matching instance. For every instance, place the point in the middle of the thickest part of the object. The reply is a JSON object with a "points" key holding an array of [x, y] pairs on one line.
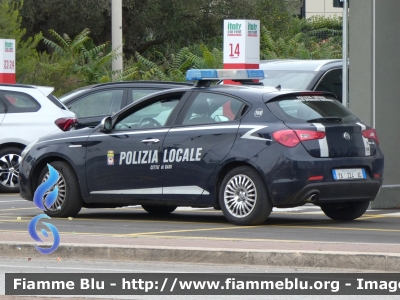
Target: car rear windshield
{"points": [[310, 108], [292, 80]]}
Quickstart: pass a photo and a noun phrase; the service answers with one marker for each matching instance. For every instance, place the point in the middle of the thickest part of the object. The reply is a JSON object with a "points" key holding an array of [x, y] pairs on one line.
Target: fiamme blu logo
{"points": [[43, 202]]}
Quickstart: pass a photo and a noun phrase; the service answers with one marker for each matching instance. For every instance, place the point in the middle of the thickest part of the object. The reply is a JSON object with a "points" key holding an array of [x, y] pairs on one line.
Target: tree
{"points": [[79, 61], [10, 27], [149, 23], [174, 67]]}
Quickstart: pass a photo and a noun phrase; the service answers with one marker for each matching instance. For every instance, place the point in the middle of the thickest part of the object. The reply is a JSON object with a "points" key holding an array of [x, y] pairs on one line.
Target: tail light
{"points": [[66, 124], [370, 134], [290, 138]]}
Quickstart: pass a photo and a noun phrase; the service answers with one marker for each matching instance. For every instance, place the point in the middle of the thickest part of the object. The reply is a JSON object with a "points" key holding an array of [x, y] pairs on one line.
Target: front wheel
{"points": [[243, 197], [69, 200], [345, 211], [159, 209]]}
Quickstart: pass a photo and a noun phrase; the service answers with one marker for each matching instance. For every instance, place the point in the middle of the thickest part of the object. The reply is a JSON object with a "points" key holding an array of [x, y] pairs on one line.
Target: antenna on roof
{"points": [[205, 76]]}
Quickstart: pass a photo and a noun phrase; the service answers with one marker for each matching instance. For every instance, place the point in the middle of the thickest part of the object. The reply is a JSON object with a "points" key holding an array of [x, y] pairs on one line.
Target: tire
{"points": [[10, 158], [346, 211], [237, 189], [69, 200], [159, 209]]}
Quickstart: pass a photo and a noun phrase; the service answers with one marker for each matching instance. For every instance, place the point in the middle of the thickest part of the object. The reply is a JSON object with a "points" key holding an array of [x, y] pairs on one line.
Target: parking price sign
{"points": [[241, 44], [7, 60]]}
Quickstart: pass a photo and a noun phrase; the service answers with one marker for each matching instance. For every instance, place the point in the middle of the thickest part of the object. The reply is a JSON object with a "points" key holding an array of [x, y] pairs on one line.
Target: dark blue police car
{"points": [[241, 149]]}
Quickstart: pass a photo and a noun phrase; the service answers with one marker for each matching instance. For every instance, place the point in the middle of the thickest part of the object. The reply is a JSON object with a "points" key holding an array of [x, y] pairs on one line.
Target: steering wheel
{"points": [[122, 125], [145, 121]]}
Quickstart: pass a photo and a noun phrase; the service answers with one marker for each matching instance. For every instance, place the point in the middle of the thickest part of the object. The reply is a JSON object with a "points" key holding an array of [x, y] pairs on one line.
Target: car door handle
{"points": [[151, 141]]}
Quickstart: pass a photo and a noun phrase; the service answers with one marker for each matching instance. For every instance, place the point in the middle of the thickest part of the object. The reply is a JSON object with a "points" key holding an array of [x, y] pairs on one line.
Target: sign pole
{"points": [[345, 96]]}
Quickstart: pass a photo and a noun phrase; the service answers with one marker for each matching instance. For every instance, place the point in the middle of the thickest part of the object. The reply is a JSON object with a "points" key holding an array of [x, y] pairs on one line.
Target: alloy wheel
{"points": [[9, 170], [240, 196]]}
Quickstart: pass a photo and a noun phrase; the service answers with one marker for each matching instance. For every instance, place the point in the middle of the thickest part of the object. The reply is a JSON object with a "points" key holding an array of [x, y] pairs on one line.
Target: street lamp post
{"points": [[345, 100], [116, 35]]}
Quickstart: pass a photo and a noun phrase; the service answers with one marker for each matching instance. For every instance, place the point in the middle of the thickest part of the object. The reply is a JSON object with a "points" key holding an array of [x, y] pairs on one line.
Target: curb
{"points": [[306, 259]]}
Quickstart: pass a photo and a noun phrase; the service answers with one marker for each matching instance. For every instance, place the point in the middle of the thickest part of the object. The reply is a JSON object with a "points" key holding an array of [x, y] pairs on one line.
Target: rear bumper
{"points": [[289, 185], [330, 192]]}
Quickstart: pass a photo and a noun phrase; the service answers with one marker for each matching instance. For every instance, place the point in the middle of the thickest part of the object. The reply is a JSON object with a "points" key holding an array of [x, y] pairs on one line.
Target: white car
{"points": [[26, 114]]}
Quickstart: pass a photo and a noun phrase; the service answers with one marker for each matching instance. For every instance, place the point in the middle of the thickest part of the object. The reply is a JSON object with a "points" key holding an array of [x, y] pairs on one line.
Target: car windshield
{"points": [[287, 79]]}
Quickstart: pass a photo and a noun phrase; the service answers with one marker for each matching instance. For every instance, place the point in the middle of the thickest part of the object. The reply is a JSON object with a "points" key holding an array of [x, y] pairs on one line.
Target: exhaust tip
{"points": [[312, 198]]}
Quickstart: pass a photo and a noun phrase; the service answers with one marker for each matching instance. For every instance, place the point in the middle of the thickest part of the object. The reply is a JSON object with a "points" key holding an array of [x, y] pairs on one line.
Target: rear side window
{"points": [[101, 103], [310, 108], [331, 82], [2, 108], [213, 108], [19, 102]]}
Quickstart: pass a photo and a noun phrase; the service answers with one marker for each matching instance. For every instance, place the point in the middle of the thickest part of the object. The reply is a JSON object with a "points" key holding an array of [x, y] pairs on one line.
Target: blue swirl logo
{"points": [[43, 205]]}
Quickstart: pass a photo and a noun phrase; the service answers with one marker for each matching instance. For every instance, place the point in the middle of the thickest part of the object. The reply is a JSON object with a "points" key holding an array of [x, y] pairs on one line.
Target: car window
{"points": [[287, 79], [304, 108], [102, 103], [212, 108], [2, 108], [140, 93], [153, 115], [19, 102], [331, 82]]}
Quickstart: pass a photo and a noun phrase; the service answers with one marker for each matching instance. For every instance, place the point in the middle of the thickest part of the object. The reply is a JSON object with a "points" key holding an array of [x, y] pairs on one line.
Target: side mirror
{"points": [[106, 124]]}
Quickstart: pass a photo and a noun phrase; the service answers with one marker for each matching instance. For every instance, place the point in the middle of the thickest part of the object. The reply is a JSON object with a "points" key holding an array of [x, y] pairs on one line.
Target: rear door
{"points": [[205, 132], [343, 131]]}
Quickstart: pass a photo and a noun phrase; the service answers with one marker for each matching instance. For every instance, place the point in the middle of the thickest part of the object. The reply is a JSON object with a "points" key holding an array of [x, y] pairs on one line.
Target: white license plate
{"points": [[348, 174]]}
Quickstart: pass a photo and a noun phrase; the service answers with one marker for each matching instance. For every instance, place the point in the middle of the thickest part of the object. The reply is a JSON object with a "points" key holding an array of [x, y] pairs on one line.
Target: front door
{"points": [[125, 161]]}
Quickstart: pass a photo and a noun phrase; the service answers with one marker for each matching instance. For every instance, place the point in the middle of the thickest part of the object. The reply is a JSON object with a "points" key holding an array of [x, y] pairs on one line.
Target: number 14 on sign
{"points": [[234, 50]]}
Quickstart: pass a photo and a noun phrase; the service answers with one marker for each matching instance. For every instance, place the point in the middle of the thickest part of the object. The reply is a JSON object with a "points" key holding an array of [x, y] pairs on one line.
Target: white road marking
{"points": [[393, 214], [3, 201], [85, 269]]}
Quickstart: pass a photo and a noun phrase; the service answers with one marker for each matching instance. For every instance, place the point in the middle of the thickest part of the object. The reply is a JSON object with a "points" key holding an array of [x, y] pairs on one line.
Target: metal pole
{"points": [[345, 96], [116, 34]]}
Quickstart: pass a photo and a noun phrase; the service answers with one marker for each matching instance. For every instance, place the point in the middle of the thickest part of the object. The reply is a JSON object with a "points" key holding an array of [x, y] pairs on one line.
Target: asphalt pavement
{"points": [[296, 237]]}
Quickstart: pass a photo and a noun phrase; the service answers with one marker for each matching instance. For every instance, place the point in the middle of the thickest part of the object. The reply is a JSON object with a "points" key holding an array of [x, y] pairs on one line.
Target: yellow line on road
{"points": [[337, 228], [190, 230]]}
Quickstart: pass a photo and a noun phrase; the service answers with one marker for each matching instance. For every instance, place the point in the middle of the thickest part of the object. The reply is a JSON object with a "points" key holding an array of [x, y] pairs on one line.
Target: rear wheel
{"points": [[243, 197], [345, 211], [159, 209], [10, 159], [69, 200]]}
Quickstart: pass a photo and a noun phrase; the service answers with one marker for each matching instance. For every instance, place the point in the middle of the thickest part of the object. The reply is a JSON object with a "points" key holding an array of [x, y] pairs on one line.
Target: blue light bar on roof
{"points": [[224, 74]]}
